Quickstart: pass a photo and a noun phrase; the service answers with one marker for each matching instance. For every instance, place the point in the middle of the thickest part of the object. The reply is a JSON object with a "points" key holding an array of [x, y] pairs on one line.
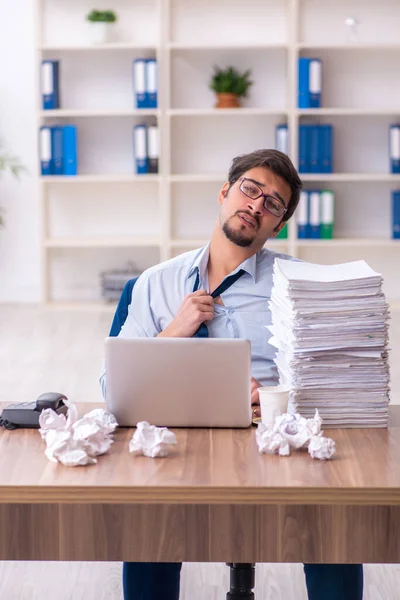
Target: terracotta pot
{"points": [[227, 101]]}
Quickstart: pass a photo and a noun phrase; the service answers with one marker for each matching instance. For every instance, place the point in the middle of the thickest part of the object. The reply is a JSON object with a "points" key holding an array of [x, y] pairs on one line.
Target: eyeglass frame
{"points": [[264, 196]]}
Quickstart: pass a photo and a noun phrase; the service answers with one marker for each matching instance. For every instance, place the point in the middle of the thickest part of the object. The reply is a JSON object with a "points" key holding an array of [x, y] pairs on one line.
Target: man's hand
{"points": [[195, 309], [255, 400]]}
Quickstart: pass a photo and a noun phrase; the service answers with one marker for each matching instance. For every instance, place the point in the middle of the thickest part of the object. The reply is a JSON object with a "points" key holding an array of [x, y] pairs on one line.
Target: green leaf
{"points": [[101, 16], [230, 80], [11, 164]]}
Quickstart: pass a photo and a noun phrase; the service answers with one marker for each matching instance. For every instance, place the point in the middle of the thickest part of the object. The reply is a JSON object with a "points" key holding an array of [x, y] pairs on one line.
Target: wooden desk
{"points": [[214, 499]]}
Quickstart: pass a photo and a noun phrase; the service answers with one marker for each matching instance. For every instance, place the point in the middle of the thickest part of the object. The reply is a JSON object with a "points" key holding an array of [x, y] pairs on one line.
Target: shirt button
{"points": [[230, 311]]}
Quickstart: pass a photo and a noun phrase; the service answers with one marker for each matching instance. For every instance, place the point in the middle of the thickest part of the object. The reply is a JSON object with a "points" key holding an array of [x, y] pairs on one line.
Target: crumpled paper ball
{"points": [[295, 431], [74, 442], [149, 440]]}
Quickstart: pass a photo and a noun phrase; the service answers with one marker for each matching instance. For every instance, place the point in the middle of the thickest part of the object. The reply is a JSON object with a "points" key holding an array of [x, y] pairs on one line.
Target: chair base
{"points": [[242, 581]]}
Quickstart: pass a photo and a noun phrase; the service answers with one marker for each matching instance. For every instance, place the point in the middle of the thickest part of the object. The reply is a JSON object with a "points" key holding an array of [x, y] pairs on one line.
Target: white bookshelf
{"points": [[97, 48], [89, 113], [108, 216]]}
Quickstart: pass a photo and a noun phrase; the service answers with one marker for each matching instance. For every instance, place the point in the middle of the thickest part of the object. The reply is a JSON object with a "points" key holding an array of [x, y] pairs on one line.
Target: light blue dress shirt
{"points": [[160, 290]]}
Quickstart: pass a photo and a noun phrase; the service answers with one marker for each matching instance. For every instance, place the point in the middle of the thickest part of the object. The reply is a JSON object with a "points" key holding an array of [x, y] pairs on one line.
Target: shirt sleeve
{"points": [[140, 321]]}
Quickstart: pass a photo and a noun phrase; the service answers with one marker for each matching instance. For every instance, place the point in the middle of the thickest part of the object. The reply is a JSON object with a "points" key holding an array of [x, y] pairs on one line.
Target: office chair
{"points": [[122, 309]]}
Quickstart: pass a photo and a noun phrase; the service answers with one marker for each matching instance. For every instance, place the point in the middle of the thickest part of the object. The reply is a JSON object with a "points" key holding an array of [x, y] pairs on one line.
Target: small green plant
{"points": [[101, 16], [230, 81], [10, 164]]}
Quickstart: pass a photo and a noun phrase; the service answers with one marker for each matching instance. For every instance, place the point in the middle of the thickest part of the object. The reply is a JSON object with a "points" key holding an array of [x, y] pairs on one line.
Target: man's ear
{"points": [[223, 192]]}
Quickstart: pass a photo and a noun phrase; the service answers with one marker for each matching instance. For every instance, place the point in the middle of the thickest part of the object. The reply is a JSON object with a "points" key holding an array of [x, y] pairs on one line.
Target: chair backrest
{"points": [[122, 309]]}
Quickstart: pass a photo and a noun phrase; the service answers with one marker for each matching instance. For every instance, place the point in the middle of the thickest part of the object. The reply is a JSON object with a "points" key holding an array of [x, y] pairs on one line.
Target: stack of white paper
{"points": [[330, 325]]}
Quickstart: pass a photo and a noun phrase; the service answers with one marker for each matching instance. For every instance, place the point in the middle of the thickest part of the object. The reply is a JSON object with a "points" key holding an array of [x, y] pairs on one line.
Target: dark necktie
{"points": [[227, 282]]}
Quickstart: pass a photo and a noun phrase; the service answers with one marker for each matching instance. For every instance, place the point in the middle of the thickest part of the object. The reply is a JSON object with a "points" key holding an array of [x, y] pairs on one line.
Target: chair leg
{"points": [[242, 581]]}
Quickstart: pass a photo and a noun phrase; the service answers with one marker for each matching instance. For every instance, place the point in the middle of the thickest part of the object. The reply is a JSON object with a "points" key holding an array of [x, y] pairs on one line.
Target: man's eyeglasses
{"points": [[271, 204]]}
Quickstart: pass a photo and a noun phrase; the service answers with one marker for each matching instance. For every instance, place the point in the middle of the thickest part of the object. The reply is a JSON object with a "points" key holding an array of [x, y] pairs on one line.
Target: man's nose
{"points": [[256, 206]]}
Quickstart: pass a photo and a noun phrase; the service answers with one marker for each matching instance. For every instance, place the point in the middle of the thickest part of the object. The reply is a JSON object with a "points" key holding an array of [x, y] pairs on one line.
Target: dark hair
{"points": [[279, 163]]}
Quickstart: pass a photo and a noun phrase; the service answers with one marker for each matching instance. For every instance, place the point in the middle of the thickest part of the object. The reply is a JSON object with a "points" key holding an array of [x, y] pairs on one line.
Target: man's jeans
{"points": [[156, 581]]}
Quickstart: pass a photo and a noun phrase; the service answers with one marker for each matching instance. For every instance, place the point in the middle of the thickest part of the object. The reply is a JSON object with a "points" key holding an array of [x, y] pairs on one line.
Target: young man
{"points": [[174, 299]]}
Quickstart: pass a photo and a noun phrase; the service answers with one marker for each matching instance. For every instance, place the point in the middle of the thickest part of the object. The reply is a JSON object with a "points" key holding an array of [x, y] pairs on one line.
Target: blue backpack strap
{"points": [[122, 309]]}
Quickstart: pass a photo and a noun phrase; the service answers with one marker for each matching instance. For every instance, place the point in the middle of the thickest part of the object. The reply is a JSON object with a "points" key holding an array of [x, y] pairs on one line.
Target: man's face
{"points": [[244, 220]]}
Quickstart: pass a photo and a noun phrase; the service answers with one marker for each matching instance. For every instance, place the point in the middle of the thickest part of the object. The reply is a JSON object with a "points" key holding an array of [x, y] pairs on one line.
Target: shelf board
{"points": [[357, 112], [378, 177], [216, 46], [97, 47], [111, 178], [102, 242], [224, 112], [337, 242], [88, 112], [349, 46]]}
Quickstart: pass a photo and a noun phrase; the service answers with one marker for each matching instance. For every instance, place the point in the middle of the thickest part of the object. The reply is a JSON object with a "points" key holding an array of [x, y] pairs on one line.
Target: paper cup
{"points": [[273, 402]]}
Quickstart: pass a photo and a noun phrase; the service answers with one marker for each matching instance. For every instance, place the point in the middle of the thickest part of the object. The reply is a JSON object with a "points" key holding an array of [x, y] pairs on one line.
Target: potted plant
{"points": [[101, 24], [10, 164], [230, 86]]}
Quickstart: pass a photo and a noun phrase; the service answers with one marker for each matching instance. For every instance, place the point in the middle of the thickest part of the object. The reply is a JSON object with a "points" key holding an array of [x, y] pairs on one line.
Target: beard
{"points": [[238, 236]]}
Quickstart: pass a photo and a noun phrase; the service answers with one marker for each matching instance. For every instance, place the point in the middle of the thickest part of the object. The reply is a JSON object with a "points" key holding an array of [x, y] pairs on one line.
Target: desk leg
{"points": [[242, 581]]}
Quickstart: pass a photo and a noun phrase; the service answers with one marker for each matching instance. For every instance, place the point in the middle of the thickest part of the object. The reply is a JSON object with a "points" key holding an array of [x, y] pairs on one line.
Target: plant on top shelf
{"points": [[100, 22], [102, 16], [230, 85]]}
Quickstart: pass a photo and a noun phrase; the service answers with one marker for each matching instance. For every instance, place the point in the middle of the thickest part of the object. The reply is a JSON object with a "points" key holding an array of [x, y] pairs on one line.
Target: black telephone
{"points": [[26, 414]]}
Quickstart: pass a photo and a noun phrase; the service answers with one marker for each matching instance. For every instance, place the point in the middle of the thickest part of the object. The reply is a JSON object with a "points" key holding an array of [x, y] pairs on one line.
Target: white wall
{"points": [[19, 240]]}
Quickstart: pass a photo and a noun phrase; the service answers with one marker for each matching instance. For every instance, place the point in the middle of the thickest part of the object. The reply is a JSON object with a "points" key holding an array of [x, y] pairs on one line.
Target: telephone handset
{"points": [[26, 414]]}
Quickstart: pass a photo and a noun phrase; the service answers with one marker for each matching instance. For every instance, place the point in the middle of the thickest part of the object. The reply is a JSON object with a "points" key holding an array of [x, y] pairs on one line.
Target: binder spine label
{"points": [[327, 214], [140, 144], [47, 79], [49, 85], [315, 82], [153, 147], [282, 138], [302, 215], [139, 77], [315, 76], [151, 83], [45, 150], [394, 148]]}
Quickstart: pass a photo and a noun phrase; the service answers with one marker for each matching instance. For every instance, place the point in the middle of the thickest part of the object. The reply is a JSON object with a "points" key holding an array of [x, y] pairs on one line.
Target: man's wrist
{"points": [[168, 332]]}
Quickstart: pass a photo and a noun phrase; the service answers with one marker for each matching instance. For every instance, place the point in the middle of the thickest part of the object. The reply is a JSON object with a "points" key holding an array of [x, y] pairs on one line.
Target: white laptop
{"points": [[179, 382]]}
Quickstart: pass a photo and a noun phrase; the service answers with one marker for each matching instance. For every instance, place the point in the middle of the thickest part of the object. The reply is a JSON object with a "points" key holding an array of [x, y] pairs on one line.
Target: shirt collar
{"points": [[200, 264]]}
